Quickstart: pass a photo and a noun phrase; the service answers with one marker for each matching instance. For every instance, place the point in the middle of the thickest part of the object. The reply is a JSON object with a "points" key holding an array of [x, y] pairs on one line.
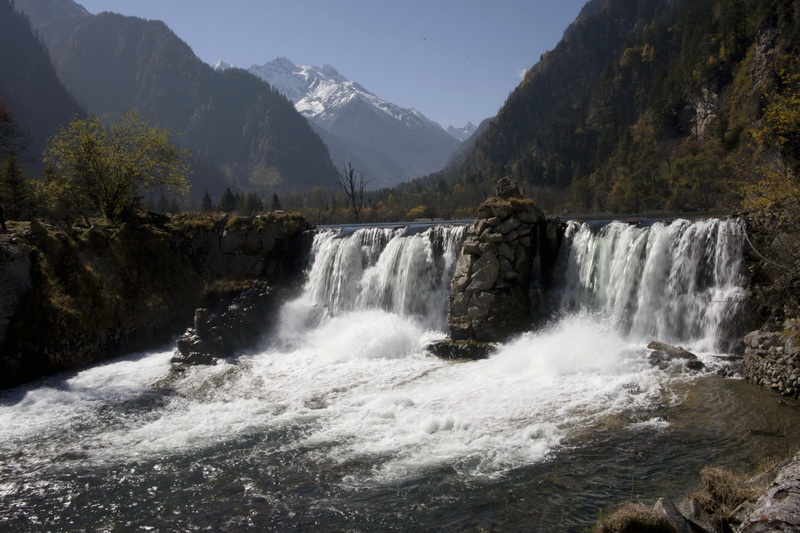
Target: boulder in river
{"points": [[665, 356]]}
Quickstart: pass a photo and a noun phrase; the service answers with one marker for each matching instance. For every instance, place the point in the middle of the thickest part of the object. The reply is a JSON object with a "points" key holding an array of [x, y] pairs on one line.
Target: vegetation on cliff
{"points": [[107, 289], [92, 166]]}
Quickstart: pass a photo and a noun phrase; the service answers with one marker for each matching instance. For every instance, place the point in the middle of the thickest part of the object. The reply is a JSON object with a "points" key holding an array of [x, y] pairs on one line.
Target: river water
{"points": [[341, 421]]}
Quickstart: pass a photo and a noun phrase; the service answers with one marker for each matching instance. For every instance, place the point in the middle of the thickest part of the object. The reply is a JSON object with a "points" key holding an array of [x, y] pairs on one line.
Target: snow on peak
{"points": [[222, 65], [319, 92], [462, 134]]}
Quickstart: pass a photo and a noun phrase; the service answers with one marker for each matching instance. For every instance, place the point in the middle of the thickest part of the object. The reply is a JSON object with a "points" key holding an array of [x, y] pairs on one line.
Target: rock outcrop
{"points": [[772, 359], [495, 281], [15, 279], [238, 326], [778, 508], [76, 296]]}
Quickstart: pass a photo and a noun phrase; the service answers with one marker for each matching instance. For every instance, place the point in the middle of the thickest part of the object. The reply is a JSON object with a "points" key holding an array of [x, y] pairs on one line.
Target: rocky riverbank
{"points": [[772, 358], [767, 502], [76, 296]]}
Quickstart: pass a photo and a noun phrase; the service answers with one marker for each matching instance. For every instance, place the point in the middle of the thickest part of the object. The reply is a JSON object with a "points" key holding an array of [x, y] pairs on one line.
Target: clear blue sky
{"points": [[454, 60]]}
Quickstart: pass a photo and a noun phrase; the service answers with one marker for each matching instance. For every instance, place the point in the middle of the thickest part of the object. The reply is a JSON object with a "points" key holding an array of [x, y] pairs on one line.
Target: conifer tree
{"points": [[275, 204], [227, 201], [14, 187], [206, 206]]}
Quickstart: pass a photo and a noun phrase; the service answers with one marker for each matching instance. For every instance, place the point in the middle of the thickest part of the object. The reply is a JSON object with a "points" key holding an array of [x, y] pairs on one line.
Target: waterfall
{"points": [[679, 282], [343, 417], [405, 271]]}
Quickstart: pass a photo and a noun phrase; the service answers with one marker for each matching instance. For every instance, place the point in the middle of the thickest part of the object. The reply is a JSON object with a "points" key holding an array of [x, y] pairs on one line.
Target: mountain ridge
{"points": [[245, 134], [402, 141], [29, 85]]}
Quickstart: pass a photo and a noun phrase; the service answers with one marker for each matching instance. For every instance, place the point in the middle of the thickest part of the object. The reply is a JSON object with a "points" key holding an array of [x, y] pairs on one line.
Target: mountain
{"points": [[389, 143], [29, 85], [464, 133], [643, 105], [461, 155], [242, 132], [221, 65]]}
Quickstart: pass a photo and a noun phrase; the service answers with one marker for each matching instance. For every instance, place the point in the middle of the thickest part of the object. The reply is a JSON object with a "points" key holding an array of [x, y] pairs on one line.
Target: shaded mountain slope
{"points": [[231, 119], [29, 85]]}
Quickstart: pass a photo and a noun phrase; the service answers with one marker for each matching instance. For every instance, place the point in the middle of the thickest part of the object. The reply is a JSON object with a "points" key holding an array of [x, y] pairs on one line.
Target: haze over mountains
{"points": [[390, 143], [30, 87]]}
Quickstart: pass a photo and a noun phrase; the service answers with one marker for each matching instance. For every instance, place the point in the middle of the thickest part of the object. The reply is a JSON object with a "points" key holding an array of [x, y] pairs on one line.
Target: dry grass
{"points": [[635, 518], [723, 491]]}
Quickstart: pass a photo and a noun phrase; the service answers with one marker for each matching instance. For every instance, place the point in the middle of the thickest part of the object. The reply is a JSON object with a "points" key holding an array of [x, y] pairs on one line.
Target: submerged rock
{"points": [[665, 355], [471, 350]]}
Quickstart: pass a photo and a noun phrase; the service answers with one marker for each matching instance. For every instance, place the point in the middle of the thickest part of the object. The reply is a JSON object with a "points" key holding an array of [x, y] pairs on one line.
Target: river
{"points": [[341, 421]]}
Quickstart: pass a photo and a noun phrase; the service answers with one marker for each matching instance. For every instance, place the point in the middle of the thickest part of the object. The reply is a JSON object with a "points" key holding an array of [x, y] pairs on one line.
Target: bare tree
{"points": [[355, 185]]}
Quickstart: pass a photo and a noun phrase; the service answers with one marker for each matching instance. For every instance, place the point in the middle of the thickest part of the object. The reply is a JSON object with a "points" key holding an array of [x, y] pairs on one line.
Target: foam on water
{"points": [[346, 382], [67, 400], [679, 283], [359, 388]]}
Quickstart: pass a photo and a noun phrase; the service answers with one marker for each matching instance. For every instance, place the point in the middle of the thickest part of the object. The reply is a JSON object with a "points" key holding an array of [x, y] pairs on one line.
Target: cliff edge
{"points": [[76, 296]]}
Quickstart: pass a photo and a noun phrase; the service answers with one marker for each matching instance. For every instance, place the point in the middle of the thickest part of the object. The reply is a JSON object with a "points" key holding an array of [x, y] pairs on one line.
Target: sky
{"points": [[453, 60]]}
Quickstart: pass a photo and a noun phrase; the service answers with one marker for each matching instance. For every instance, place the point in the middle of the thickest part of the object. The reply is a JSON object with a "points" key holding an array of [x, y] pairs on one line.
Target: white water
{"points": [[678, 283], [345, 383]]}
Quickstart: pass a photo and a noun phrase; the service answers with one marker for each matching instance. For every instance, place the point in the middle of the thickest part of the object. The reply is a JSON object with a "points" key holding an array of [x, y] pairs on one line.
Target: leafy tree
{"points": [[782, 121], [107, 168], [771, 194], [355, 186]]}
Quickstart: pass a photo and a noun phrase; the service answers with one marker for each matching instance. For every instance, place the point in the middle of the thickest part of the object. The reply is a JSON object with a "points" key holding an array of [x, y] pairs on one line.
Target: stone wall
{"points": [[772, 359], [491, 290]]}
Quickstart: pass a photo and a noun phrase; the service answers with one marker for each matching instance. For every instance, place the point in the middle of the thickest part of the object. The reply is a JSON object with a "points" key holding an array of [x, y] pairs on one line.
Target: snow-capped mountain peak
{"points": [[319, 92], [462, 134], [388, 142], [222, 65]]}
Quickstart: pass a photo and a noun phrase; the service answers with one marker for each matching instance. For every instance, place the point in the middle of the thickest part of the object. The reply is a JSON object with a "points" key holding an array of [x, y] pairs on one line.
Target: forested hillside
{"points": [[644, 105], [33, 95], [234, 123]]}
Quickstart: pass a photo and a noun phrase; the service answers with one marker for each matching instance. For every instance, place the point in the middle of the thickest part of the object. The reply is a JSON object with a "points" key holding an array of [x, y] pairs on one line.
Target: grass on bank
{"points": [[720, 492]]}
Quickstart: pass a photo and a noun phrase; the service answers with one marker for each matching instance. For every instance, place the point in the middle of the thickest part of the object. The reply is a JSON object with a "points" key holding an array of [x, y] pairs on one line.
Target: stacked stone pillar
{"points": [[490, 291]]}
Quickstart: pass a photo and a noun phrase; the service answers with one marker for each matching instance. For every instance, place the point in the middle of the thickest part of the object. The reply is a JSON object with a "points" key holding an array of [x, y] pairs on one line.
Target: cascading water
{"points": [[396, 270], [342, 420], [677, 282], [403, 271]]}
